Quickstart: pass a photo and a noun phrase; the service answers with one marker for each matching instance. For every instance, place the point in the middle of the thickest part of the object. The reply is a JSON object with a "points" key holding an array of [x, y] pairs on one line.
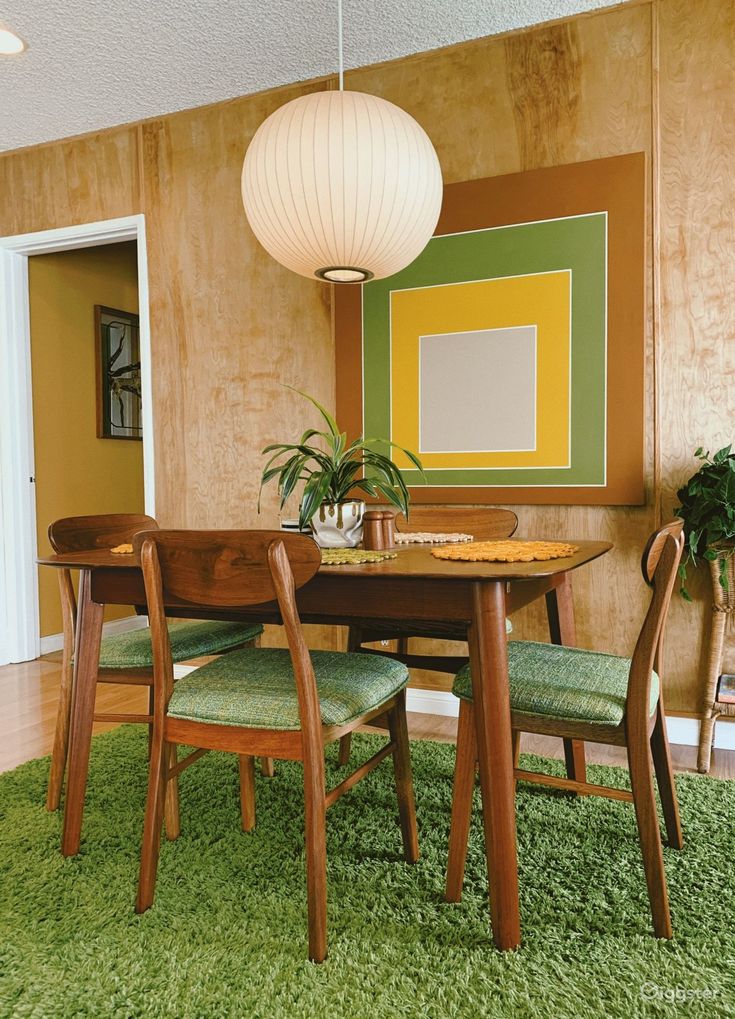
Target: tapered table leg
{"points": [[562, 630], [491, 697], [86, 665]]}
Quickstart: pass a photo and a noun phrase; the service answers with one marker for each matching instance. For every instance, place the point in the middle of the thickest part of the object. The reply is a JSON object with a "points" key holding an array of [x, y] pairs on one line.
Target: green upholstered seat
{"points": [[564, 683], [133, 650], [256, 688]]}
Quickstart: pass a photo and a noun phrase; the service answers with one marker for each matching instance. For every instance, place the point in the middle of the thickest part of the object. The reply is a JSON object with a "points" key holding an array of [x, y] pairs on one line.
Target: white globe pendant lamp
{"points": [[342, 186]]}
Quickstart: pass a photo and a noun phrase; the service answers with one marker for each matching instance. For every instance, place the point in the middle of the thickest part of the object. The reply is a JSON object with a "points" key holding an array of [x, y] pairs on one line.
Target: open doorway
{"points": [[75, 438], [87, 422]]}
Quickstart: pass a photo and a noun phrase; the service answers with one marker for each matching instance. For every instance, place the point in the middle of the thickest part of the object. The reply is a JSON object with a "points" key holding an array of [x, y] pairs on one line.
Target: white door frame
{"points": [[19, 622]]}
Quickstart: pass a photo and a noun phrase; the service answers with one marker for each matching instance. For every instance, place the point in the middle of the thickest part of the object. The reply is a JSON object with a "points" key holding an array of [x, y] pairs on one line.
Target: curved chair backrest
{"points": [[80, 534], [659, 566], [655, 546], [226, 569], [223, 569], [484, 524]]}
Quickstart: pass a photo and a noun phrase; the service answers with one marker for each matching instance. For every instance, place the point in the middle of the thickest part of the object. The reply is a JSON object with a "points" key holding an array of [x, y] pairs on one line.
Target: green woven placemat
{"points": [[342, 556]]}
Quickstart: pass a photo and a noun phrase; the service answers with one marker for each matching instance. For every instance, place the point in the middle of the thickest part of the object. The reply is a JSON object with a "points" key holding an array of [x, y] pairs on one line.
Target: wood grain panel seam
{"points": [[656, 260]]}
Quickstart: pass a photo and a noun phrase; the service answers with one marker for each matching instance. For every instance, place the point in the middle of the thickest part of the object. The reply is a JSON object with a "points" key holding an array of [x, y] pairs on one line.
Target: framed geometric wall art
{"points": [[510, 354]]}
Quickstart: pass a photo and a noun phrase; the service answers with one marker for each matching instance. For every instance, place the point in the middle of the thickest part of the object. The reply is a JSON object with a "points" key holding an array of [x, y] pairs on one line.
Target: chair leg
{"points": [[516, 738], [649, 834], [247, 792], [574, 760], [345, 746], [464, 784], [171, 810], [665, 779], [61, 736], [404, 779], [152, 826], [315, 815], [267, 768]]}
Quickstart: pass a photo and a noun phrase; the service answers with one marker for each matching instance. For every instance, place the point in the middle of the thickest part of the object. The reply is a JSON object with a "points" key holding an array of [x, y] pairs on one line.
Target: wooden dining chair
{"points": [[125, 658], [277, 702], [484, 524], [600, 698]]}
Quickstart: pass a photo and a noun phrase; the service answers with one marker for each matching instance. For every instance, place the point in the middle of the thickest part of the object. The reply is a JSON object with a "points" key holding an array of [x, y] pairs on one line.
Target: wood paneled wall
{"points": [[229, 324]]}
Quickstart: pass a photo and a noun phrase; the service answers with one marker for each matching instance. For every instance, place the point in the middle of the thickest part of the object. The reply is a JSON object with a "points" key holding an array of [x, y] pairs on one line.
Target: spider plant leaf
{"points": [[365, 485], [386, 468], [392, 496], [314, 491], [309, 434], [339, 445], [272, 472], [290, 478], [281, 446], [344, 479], [331, 423], [411, 456]]}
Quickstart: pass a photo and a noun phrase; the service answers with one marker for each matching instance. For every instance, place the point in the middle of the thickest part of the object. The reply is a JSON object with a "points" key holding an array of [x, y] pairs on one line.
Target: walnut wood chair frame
{"points": [[484, 524], [641, 733], [225, 569], [79, 534]]}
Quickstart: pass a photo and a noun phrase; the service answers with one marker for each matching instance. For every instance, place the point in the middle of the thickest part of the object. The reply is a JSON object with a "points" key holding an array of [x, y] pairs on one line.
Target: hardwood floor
{"points": [[29, 691]]}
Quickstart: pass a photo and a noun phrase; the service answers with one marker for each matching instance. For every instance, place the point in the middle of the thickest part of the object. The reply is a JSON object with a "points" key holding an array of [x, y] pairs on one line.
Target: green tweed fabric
{"points": [[564, 682], [256, 688], [133, 650]]}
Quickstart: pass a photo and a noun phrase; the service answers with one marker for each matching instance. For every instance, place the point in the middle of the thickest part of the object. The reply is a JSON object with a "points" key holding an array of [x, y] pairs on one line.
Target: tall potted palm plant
{"points": [[334, 471]]}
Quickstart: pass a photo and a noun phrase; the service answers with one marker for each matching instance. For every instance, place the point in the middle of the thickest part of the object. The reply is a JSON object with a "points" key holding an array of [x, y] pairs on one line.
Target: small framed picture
{"points": [[117, 339]]}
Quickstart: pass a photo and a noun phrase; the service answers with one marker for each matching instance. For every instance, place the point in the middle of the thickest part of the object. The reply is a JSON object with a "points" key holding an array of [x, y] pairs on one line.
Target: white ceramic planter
{"points": [[338, 525]]}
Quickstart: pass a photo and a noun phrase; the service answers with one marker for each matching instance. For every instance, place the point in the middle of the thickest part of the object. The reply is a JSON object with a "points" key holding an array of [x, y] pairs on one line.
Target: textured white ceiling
{"points": [[91, 64]]}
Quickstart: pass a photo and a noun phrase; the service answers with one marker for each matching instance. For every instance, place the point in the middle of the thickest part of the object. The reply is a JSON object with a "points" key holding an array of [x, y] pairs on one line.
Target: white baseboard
{"points": [[684, 731], [55, 641], [432, 702]]}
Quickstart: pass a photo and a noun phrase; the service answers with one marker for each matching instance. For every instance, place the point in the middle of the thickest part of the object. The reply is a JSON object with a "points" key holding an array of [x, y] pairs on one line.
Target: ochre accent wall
{"points": [[228, 323], [76, 473]]}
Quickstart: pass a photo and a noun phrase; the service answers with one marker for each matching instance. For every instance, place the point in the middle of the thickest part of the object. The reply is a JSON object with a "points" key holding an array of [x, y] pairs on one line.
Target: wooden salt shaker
{"points": [[389, 527], [372, 530]]}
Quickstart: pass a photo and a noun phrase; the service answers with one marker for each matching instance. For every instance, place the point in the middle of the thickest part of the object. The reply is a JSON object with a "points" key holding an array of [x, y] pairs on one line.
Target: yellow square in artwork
{"points": [[539, 304]]}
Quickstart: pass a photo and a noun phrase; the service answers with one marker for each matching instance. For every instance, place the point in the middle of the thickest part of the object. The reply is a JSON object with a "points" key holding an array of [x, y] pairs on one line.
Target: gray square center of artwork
{"points": [[478, 391]]}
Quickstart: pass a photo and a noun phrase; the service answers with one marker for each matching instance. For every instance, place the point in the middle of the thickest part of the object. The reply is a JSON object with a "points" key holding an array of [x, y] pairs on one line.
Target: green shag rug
{"points": [[227, 933]]}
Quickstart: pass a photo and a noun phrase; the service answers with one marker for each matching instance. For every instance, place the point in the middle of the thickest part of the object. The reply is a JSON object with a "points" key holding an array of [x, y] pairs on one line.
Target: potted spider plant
{"points": [[708, 511], [335, 473]]}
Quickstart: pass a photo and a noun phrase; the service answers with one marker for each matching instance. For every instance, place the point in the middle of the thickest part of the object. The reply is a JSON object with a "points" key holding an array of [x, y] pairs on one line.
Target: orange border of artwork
{"points": [[616, 185]]}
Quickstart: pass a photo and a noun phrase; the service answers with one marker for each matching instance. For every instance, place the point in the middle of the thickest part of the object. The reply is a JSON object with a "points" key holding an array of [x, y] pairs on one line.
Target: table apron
{"points": [[337, 600]]}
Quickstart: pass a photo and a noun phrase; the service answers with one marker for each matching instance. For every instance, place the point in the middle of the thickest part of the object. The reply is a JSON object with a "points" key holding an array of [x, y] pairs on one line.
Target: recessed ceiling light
{"points": [[10, 43]]}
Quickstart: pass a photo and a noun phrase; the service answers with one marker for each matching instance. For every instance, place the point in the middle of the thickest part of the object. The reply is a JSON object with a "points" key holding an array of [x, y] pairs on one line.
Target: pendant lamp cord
{"points": [[341, 55]]}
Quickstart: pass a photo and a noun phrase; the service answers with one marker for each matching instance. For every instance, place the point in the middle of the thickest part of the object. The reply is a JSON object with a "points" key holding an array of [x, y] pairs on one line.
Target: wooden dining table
{"points": [[414, 586]]}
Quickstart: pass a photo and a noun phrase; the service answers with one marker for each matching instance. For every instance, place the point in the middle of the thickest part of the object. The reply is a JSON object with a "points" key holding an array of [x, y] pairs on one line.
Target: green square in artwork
{"points": [[489, 352]]}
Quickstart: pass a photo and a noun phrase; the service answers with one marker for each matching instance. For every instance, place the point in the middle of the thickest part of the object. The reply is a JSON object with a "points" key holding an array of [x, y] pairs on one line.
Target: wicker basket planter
{"points": [[723, 606]]}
